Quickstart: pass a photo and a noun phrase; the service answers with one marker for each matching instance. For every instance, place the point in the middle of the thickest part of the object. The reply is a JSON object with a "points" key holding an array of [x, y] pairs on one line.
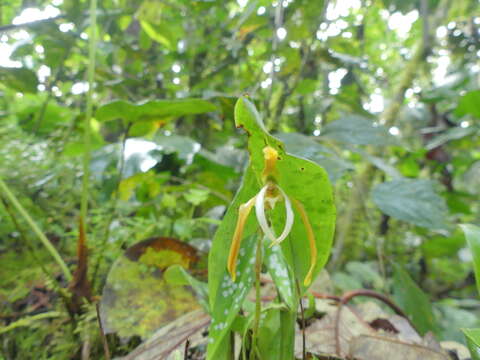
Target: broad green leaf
{"points": [[306, 86], [413, 201], [305, 147], [229, 296], [473, 342], [357, 130], [468, 104], [269, 334], [380, 163], [160, 33], [184, 146], [451, 134], [176, 274], [472, 234], [154, 110], [281, 274], [366, 272], [19, 79], [302, 180], [438, 245], [30, 106], [413, 301]]}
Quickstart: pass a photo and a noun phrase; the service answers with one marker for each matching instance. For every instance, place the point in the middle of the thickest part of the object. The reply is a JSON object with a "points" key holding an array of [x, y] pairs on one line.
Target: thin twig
{"points": [[88, 114], [113, 212], [368, 293], [185, 351], [302, 313], [45, 241], [106, 349]]}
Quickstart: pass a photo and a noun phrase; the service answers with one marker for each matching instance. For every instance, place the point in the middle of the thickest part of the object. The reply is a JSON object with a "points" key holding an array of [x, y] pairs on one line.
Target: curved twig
{"points": [[368, 293]]}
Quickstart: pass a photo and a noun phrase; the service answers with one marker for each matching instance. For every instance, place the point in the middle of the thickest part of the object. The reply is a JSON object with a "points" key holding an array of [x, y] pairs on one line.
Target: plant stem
{"points": [[28, 243], [51, 249], [302, 312], [88, 114], [113, 211], [258, 303]]}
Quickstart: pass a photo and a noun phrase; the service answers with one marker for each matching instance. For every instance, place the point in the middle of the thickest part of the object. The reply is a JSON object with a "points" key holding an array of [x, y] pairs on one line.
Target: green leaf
{"points": [[413, 301], [176, 274], [468, 104], [380, 163], [184, 146], [217, 259], [196, 196], [29, 107], [154, 110], [413, 201], [269, 333], [438, 245], [357, 130], [473, 342], [282, 275], [449, 135], [160, 33], [19, 79], [305, 147], [306, 86], [302, 180], [472, 234], [229, 296]]}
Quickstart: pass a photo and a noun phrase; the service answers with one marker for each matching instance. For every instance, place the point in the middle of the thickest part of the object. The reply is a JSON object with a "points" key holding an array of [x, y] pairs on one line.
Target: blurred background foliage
{"points": [[383, 94]]}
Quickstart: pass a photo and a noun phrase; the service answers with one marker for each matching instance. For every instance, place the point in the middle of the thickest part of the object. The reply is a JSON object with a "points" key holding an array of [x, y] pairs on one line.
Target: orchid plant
{"points": [[267, 198], [294, 211]]}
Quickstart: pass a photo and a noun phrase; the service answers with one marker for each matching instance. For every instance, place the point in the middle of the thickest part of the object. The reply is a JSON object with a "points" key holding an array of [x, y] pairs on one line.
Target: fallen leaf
{"points": [[137, 299]]}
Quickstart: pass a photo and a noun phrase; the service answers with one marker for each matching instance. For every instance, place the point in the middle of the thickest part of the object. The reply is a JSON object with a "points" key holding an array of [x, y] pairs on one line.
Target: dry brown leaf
{"points": [[372, 347], [172, 337]]}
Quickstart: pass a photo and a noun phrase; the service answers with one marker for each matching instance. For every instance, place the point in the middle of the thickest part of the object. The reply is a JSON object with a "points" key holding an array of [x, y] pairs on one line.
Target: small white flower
{"points": [[260, 212], [266, 199]]}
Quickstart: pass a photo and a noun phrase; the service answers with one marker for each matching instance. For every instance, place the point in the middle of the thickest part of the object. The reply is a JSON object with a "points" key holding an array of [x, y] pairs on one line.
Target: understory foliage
{"points": [[122, 179]]}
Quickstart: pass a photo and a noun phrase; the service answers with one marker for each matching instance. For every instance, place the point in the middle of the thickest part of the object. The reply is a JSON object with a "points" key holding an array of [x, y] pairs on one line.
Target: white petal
{"points": [[262, 220], [288, 220], [260, 212]]}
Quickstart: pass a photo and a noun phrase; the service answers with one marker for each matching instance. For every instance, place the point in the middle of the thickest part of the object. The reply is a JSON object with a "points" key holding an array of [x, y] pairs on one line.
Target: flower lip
{"points": [[262, 220]]}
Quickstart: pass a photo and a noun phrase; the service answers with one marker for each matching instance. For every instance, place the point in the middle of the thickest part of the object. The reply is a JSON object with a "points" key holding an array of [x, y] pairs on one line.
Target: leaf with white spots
{"points": [[301, 180], [282, 275], [230, 296]]}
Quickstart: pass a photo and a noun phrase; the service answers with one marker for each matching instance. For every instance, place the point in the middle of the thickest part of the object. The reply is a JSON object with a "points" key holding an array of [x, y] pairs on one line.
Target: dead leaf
{"points": [[136, 299], [372, 347], [172, 337]]}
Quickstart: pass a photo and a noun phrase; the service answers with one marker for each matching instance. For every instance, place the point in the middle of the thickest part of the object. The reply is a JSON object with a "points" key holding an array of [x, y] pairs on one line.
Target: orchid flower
{"points": [[266, 199]]}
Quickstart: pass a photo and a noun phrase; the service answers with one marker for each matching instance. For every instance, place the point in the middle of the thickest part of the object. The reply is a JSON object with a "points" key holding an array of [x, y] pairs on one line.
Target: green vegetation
{"points": [[240, 179]]}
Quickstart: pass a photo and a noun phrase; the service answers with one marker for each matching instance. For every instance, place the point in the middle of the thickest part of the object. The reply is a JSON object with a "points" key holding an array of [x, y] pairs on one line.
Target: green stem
{"points": [[113, 211], [88, 114], [51, 249], [28, 243], [258, 304], [28, 321]]}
